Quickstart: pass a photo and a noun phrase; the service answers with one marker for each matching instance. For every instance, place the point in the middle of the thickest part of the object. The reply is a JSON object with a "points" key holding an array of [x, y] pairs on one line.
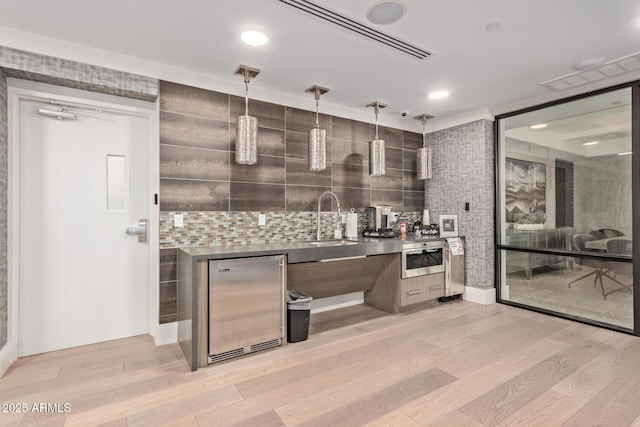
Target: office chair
{"points": [[600, 268], [610, 232], [620, 247]]}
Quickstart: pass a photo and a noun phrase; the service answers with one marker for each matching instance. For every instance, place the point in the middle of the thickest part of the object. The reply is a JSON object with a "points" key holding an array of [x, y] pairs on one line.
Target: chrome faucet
{"points": [[319, 203]]}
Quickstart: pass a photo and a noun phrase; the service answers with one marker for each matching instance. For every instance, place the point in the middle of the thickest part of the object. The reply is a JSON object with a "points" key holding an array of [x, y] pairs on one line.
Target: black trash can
{"points": [[298, 309]]}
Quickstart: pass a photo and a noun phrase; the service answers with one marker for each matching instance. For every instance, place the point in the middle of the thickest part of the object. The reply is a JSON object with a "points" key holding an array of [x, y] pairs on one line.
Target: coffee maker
{"points": [[379, 222]]}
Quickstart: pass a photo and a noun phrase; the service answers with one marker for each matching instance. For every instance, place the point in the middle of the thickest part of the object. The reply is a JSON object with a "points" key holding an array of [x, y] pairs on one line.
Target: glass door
{"points": [[564, 208]]}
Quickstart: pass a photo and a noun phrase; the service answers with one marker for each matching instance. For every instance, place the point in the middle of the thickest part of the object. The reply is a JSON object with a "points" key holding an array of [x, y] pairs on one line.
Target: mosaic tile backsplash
{"points": [[241, 228]]}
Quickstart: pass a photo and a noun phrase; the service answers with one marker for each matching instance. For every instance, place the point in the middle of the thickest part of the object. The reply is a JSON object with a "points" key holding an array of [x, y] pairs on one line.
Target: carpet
{"points": [[548, 289]]}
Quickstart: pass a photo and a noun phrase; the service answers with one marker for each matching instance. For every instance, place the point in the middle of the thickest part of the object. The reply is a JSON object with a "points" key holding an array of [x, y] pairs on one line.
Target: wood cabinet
{"points": [[393, 294], [341, 276], [421, 288]]}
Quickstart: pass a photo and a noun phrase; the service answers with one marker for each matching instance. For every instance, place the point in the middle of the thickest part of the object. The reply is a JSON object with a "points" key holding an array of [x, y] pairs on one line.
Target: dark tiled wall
{"points": [[198, 173], [168, 281], [4, 143]]}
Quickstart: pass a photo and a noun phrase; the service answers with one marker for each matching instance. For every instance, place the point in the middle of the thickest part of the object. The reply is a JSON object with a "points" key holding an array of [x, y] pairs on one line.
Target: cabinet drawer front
{"points": [[435, 291], [434, 279], [412, 291]]}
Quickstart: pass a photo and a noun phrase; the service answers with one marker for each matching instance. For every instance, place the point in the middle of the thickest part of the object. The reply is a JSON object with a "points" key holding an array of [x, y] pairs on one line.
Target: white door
{"points": [[82, 183]]}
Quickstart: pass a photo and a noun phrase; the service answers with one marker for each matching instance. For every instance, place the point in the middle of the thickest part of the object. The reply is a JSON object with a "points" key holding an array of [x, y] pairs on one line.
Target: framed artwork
{"points": [[448, 225], [525, 192]]}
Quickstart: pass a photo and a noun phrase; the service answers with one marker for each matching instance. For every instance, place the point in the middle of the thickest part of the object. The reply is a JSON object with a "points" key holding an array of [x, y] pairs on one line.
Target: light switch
{"points": [[262, 220], [178, 220]]}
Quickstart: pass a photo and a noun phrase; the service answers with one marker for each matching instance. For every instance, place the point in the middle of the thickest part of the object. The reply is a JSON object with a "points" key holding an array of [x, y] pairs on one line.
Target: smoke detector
{"points": [[589, 64]]}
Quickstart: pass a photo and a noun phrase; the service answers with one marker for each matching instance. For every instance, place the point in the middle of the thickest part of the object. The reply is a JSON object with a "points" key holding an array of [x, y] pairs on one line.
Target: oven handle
{"points": [[419, 251]]}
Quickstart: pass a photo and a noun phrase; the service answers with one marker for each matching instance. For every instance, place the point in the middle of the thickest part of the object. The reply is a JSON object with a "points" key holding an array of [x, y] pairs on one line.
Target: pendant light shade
{"points": [[317, 136], [246, 125], [376, 146], [317, 149], [424, 161], [246, 140]]}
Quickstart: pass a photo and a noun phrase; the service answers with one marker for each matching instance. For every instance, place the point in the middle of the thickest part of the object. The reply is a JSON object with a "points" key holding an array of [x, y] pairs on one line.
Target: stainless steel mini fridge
{"points": [[246, 305]]}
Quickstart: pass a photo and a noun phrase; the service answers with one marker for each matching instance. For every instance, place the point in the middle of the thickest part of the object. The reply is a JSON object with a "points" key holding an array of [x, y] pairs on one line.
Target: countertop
{"points": [[306, 251]]}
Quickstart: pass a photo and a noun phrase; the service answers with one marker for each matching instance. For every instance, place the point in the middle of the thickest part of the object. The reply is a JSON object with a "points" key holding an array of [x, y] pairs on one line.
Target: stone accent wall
{"points": [[602, 194], [463, 171], [62, 72]]}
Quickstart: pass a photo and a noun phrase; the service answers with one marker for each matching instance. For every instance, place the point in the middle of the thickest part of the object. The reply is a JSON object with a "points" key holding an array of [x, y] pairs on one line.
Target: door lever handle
{"points": [[141, 230]]}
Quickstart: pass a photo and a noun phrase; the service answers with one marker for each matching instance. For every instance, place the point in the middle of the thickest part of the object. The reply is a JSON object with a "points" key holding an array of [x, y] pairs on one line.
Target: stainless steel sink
{"points": [[325, 243]]}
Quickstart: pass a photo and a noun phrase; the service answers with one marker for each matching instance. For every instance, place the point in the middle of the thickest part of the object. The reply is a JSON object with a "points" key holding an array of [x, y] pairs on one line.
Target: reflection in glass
{"points": [[560, 289], [565, 188]]}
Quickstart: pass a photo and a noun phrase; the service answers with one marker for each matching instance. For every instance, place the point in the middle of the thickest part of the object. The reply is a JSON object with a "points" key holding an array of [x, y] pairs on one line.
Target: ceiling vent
{"points": [[626, 64], [354, 26]]}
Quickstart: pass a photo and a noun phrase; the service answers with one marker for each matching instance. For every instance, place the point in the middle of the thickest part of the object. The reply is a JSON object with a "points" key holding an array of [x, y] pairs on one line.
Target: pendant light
{"points": [[246, 125], [317, 136], [376, 146], [424, 153]]}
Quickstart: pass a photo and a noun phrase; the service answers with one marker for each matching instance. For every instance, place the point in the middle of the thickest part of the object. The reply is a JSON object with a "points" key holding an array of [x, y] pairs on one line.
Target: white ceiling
{"points": [[484, 71]]}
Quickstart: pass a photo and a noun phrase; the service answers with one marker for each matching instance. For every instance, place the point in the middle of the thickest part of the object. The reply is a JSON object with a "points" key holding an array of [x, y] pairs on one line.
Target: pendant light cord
{"points": [[246, 97], [377, 109], [317, 108], [424, 133]]}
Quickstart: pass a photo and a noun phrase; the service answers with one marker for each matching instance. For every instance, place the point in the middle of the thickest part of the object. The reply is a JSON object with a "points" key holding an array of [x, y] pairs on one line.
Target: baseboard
{"points": [[338, 301], [166, 333], [8, 355], [480, 296]]}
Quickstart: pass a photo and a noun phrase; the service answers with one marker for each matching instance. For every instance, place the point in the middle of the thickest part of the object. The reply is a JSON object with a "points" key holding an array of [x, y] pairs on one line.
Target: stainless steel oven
{"points": [[421, 258]]}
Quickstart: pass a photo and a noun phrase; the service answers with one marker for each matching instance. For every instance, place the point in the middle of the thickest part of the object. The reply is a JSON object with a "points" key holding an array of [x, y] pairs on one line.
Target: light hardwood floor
{"points": [[459, 364]]}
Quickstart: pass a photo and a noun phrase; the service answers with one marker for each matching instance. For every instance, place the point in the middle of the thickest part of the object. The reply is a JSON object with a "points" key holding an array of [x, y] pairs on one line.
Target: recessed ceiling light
{"points": [[254, 38], [439, 94], [591, 143], [626, 153], [386, 12], [611, 135], [538, 126]]}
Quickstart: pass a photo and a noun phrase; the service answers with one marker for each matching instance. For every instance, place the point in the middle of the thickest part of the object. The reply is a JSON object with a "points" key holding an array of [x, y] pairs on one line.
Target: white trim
{"points": [[154, 224], [166, 333], [479, 296], [8, 355], [17, 89], [338, 301]]}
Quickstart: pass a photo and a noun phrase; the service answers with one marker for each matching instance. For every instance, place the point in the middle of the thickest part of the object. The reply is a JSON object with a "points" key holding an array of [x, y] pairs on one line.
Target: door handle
{"points": [[141, 230]]}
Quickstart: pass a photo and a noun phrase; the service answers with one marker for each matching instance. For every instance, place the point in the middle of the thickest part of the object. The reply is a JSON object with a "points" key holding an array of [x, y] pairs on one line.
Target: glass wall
{"points": [[564, 209]]}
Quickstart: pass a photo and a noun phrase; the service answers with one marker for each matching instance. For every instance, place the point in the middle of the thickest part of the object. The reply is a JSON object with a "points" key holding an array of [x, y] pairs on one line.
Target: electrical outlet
{"points": [[262, 219], [178, 220]]}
